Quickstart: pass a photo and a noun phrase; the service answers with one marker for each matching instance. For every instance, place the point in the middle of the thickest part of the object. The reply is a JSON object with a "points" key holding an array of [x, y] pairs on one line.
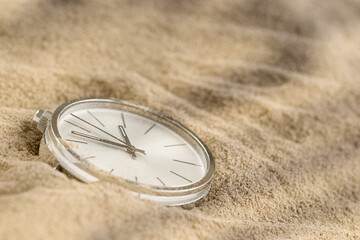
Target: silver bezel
{"points": [[166, 195]]}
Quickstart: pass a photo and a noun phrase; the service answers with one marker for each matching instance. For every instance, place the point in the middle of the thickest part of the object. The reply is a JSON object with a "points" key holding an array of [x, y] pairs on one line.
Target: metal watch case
{"points": [[54, 152]]}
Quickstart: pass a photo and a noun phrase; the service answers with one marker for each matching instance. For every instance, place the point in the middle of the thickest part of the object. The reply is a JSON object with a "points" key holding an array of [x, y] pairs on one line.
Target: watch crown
{"points": [[41, 119]]}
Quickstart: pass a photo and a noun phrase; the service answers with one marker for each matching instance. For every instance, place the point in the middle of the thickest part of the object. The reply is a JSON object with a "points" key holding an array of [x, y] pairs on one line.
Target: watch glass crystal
{"points": [[101, 139]]}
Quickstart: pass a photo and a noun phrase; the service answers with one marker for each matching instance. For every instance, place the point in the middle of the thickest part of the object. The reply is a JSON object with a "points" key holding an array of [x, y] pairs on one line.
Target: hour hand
{"points": [[130, 148], [106, 141]]}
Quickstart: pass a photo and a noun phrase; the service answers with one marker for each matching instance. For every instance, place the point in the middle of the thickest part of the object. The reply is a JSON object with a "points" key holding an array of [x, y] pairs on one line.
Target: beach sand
{"points": [[272, 88]]}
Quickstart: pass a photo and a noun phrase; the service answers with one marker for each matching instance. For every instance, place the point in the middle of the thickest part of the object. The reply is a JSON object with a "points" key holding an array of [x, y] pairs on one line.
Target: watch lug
{"points": [[41, 119]]}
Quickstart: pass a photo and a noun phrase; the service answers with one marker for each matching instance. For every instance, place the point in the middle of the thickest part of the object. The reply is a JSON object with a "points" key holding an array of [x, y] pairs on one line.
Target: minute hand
{"points": [[106, 141]]}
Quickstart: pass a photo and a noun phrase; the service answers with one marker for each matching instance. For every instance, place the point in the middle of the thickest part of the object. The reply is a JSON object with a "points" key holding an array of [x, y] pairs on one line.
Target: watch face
{"points": [[99, 139]]}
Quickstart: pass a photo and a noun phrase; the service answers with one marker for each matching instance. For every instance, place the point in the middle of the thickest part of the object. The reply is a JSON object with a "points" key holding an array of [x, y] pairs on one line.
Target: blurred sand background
{"points": [[272, 87]]}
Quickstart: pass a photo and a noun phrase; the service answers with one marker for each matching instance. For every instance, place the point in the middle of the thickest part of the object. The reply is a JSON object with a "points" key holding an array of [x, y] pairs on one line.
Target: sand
{"points": [[272, 87]]}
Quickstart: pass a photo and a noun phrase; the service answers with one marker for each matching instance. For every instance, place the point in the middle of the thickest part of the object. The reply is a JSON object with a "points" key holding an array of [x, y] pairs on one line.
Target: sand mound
{"points": [[272, 87]]}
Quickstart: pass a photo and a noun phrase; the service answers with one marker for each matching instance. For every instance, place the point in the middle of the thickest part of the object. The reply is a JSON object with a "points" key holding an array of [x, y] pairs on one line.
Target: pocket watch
{"points": [[150, 154]]}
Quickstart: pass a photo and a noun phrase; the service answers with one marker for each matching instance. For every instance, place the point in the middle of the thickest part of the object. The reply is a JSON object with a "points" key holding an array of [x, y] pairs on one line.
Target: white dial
{"points": [[111, 140], [163, 158]]}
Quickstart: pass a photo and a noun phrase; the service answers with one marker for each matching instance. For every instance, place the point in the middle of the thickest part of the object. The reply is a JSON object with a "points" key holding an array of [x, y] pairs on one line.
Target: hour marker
{"points": [[111, 170], [181, 176], [149, 129], [96, 127], [96, 118], [70, 140], [161, 181], [175, 145], [86, 158], [123, 120], [190, 163], [77, 126], [136, 179]]}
